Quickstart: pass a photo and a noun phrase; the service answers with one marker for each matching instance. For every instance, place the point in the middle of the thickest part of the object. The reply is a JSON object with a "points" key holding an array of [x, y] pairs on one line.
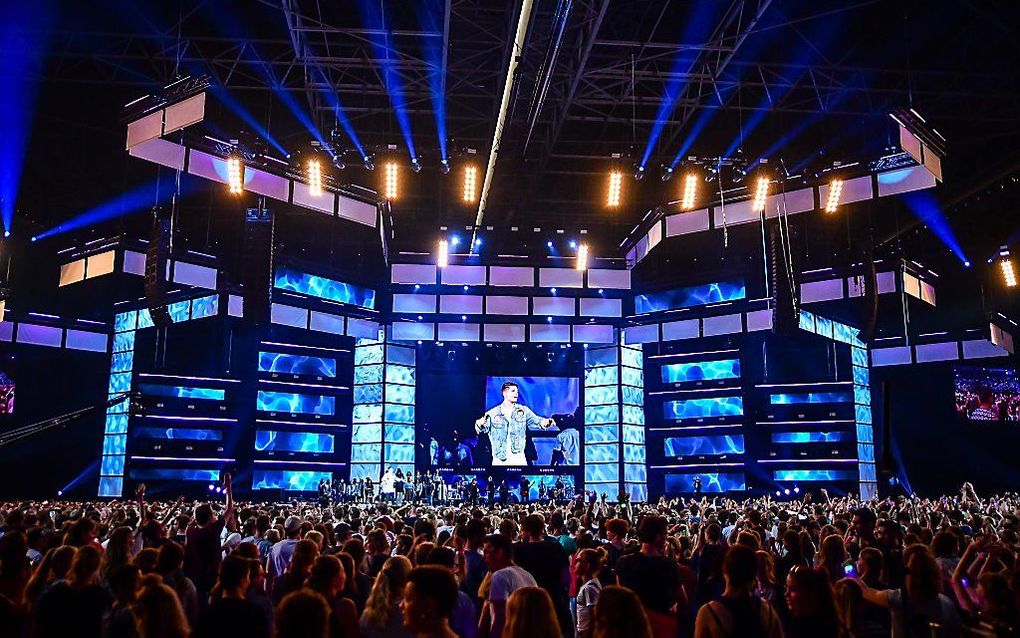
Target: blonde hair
{"points": [[389, 584], [530, 614], [158, 612]]}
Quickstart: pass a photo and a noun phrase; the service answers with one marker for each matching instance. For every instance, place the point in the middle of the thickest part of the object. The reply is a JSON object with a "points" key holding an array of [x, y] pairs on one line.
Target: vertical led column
{"points": [[111, 468], [632, 399], [398, 396], [367, 420], [602, 420]]}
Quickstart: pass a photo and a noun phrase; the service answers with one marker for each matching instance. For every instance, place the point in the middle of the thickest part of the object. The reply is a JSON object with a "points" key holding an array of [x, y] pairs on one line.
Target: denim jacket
{"points": [[496, 426]]}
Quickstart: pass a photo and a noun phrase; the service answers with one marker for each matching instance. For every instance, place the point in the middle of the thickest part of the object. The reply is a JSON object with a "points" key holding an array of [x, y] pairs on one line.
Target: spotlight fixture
{"points": [[615, 184], [314, 178], [639, 173], [338, 161], [1008, 271], [415, 165], [390, 182], [760, 193], [444, 166], [470, 184], [235, 175], [667, 173], [835, 189], [582, 257], [443, 254], [573, 244], [548, 244], [690, 191], [367, 162]]}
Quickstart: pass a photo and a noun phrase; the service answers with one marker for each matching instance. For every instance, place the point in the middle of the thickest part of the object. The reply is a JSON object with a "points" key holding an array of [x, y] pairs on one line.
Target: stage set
{"points": [[566, 369]]}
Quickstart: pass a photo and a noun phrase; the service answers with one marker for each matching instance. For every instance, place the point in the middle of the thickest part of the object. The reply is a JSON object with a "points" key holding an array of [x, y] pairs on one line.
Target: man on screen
{"points": [[507, 426]]}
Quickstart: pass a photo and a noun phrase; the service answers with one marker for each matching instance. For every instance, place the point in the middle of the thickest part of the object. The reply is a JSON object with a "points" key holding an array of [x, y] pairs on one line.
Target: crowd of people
{"points": [[818, 566]]}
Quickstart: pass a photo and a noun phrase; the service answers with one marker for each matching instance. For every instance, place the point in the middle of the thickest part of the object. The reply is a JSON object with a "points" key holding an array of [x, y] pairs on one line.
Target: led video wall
{"points": [[323, 288], [690, 296]]}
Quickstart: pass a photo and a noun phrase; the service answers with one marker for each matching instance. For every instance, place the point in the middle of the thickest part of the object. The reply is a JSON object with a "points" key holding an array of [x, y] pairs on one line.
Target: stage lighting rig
{"points": [[315, 177], [444, 166], [639, 172], [761, 192], [390, 180], [443, 254], [835, 190], [235, 174], [1007, 268], [338, 161], [470, 194], [667, 173], [582, 257], [690, 191], [415, 165], [368, 163], [615, 187]]}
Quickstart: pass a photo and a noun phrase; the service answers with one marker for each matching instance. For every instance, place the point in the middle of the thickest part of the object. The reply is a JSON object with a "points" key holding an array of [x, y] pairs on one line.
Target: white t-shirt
{"points": [[508, 580]]}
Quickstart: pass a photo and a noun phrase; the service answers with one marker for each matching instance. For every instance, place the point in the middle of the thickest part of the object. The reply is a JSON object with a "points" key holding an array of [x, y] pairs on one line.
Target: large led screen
{"points": [[689, 296], [324, 288], [987, 394], [297, 364]]}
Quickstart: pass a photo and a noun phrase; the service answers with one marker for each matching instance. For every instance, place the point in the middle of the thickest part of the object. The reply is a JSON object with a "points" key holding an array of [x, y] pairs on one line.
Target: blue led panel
{"points": [[633, 434], [180, 311], [601, 453], [635, 473], [400, 394], [605, 375], [364, 375], [398, 413], [125, 321], [403, 375], [116, 424], [601, 414], [288, 480], [368, 393], [115, 444], [634, 454], [168, 474], [366, 452], [112, 466], [120, 383], [365, 354], [398, 433], [861, 375], [324, 288], [144, 319], [807, 321], [859, 356], [866, 452], [183, 392], [111, 486], [122, 361], [633, 415], [205, 307], [713, 482], [823, 327], [298, 364], [371, 413], [689, 296], [810, 437], [601, 434], [631, 395], [700, 408], [814, 475], [867, 471], [124, 341], [366, 433], [183, 434], [294, 403], [811, 397], [862, 395], [701, 371], [865, 434], [399, 453], [862, 413], [601, 472], [842, 332], [707, 445], [278, 441]]}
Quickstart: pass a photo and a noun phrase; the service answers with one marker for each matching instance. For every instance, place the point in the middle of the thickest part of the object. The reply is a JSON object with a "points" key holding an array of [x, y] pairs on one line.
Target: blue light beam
{"points": [[694, 31], [432, 47], [138, 198], [927, 209], [375, 21], [24, 33]]}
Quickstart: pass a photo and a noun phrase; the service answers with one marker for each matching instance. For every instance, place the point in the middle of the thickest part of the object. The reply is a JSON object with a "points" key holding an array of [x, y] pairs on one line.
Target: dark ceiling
{"points": [[804, 82]]}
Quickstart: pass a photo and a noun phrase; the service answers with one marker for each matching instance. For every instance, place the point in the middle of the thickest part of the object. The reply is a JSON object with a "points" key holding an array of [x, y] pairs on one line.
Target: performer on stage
{"points": [[507, 426]]}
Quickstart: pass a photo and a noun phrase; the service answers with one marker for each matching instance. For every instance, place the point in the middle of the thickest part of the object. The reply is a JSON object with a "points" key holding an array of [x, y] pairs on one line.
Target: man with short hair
{"points": [[652, 576], [547, 561], [507, 425], [281, 553], [506, 578], [202, 549]]}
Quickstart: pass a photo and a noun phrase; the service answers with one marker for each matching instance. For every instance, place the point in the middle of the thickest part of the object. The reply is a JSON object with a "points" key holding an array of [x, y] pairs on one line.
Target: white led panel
{"points": [[263, 183], [186, 113], [686, 329], [722, 325], [560, 278], [406, 331], [459, 331], [503, 305], [610, 279], [593, 334], [162, 152], [325, 322], [520, 276], [460, 304], [462, 275], [194, 275], [99, 265], [414, 303], [685, 223], [357, 211], [599, 307], [413, 274], [549, 333], [553, 306], [324, 203], [504, 332], [641, 334]]}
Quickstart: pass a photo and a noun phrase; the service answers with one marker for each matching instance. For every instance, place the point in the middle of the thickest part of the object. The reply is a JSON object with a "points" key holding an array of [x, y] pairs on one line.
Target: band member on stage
{"points": [[507, 426], [525, 489]]}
